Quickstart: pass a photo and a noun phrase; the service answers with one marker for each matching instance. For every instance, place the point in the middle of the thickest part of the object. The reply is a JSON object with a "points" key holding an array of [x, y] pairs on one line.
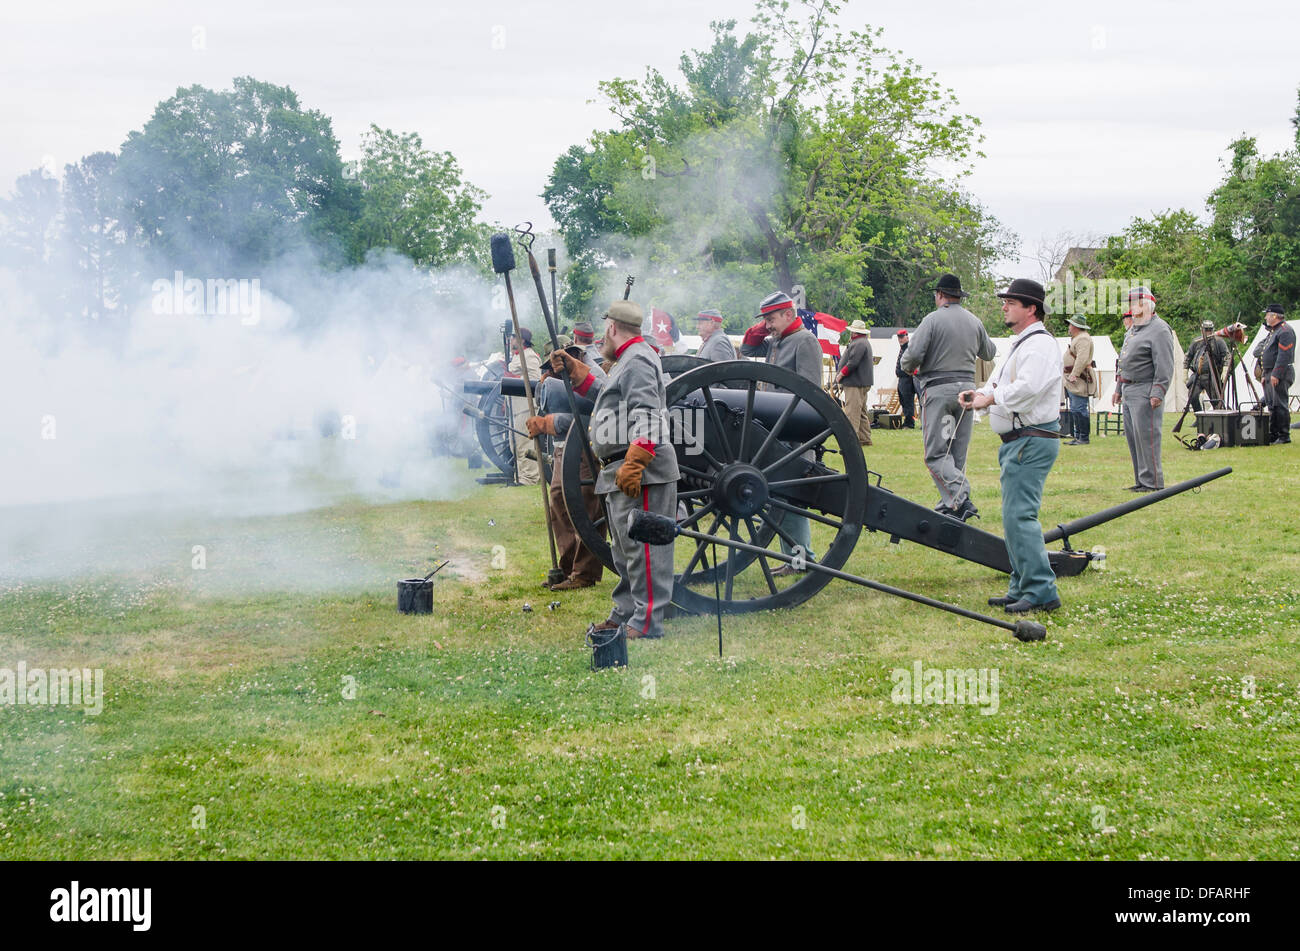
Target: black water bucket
{"points": [[415, 596], [608, 647]]}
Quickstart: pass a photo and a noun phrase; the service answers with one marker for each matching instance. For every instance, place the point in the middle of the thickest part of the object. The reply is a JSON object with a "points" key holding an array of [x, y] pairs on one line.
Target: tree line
{"points": [[223, 183]]}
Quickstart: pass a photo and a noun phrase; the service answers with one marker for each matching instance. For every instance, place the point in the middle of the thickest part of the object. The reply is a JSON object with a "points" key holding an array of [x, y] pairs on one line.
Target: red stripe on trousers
{"points": [[649, 582]]}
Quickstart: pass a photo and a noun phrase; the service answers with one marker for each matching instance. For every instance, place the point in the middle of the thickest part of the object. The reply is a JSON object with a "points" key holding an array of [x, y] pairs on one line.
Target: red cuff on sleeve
{"points": [[645, 444], [582, 388]]}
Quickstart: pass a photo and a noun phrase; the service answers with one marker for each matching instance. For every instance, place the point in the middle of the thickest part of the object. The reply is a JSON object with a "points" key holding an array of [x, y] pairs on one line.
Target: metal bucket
{"points": [[415, 596], [608, 647]]}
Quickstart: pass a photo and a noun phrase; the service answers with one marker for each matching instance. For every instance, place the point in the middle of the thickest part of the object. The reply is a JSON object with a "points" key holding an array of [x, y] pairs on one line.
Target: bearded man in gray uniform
{"points": [[638, 467], [1142, 377], [942, 353], [715, 346]]}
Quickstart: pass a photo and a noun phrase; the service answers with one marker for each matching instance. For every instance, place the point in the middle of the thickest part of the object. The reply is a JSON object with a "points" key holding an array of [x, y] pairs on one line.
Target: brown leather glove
{"points": [[628, 477], [563, 362], [537, 425]]}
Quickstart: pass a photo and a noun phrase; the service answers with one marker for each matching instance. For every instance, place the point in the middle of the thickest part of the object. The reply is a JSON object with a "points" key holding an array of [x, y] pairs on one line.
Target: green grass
{"points": [[1125, 735]]}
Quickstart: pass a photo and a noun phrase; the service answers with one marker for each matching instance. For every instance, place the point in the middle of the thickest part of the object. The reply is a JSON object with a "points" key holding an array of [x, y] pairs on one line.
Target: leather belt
{"points": [[616, 457], [949, 379], [1024, 431]]}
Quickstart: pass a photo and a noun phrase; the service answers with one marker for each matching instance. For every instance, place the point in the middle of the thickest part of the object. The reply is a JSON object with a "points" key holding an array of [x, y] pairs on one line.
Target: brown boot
{"points": [[572, 584]]}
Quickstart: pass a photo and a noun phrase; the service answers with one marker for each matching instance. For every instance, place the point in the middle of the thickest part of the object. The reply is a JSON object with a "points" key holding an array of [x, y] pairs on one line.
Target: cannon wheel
{"points": [[739, 449], [494, 439]]}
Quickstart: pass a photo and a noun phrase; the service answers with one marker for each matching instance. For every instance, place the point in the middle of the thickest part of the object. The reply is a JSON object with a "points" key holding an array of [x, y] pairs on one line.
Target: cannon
{"points": [[493, 417], [774, 445]]}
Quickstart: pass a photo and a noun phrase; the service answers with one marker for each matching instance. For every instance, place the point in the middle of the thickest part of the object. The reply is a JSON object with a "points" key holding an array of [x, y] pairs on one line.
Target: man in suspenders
{"points": [[1023, 400]]}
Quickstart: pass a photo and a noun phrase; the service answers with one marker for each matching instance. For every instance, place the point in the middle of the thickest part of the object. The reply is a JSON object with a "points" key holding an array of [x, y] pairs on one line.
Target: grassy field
{"points": [[1159, 719]]}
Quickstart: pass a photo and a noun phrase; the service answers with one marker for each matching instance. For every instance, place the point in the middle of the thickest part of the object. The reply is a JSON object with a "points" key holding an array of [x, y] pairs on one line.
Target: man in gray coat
{"points": [[781, 337], [715, 346], [856, 377], [942, 354], [638, 466], [1142, 377]]}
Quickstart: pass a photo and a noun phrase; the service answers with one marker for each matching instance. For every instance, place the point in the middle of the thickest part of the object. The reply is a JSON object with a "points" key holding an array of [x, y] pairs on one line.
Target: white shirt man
{"points": [[1023, 399]]}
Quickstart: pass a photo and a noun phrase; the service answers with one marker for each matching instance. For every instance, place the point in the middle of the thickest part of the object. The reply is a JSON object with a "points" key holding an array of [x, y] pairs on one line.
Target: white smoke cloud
{"points": [[114, 440]]}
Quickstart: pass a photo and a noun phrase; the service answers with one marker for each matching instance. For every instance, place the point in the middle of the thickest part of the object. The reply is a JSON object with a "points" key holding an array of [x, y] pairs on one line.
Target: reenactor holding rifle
{"points": [[581, 568], [1204, 363]]}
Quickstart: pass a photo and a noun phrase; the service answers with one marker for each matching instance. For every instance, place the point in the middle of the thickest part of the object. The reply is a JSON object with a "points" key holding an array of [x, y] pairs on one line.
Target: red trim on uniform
{"points": [[619, 352], [582, 388], [581, 337], [645, 444], [716, 318], [796, 325], [649, 581], [773, 308]]}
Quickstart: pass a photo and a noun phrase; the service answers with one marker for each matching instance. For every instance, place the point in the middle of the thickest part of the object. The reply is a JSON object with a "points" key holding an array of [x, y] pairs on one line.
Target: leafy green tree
{"points": [[232, 180], [415, 201], [799, 153]]}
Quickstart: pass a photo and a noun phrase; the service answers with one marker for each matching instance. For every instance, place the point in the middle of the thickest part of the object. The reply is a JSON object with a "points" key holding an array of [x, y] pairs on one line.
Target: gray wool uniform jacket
{"points": [[857, 360], [946, 345], [718, 348], [800, 352], [1146, 357], [631, 407]]}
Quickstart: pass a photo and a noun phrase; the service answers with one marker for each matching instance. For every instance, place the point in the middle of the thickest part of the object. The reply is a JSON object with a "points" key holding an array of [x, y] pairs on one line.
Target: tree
{"points": [[416, 202], [231, 180], [31, 216], [799, 153], [92, 239]]}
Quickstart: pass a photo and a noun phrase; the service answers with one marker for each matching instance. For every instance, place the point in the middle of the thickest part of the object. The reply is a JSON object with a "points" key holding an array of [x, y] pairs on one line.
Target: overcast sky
{"points": [[1093, 112]]}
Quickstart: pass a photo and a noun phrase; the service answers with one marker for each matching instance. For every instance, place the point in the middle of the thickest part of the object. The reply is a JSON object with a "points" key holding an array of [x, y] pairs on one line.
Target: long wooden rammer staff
{"points": [[503, 262]]}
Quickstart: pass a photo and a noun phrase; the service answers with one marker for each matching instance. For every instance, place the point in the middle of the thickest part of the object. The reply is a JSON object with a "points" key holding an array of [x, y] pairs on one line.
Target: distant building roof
{"points": [[1083, 261]]}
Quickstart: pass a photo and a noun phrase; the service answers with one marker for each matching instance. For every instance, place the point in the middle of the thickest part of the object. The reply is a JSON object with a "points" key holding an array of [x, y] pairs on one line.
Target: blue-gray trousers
{"points": [[1025, 464]]}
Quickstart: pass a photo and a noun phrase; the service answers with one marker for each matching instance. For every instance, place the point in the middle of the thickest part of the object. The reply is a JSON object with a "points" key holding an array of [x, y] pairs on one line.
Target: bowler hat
{"points": [[626, 312], [1078, 321], [950, 284], [1027, 292]]}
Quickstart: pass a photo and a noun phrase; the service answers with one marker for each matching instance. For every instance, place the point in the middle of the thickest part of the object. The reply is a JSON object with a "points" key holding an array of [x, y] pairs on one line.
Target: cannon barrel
{"points": [[1115, 511], [803, 423], [514, 386]]}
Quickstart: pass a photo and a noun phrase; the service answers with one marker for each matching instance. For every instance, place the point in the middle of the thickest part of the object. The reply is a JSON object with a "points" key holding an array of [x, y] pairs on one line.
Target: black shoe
{"points": [[1024, 607], [967, 511], [1002, 602], [1136, 488], [1074, 442], [1280, 441], [909, 425]]}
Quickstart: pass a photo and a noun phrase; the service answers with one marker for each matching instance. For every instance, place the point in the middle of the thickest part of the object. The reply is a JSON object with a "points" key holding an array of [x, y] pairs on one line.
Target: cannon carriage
{"points": [[767, 445]]}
